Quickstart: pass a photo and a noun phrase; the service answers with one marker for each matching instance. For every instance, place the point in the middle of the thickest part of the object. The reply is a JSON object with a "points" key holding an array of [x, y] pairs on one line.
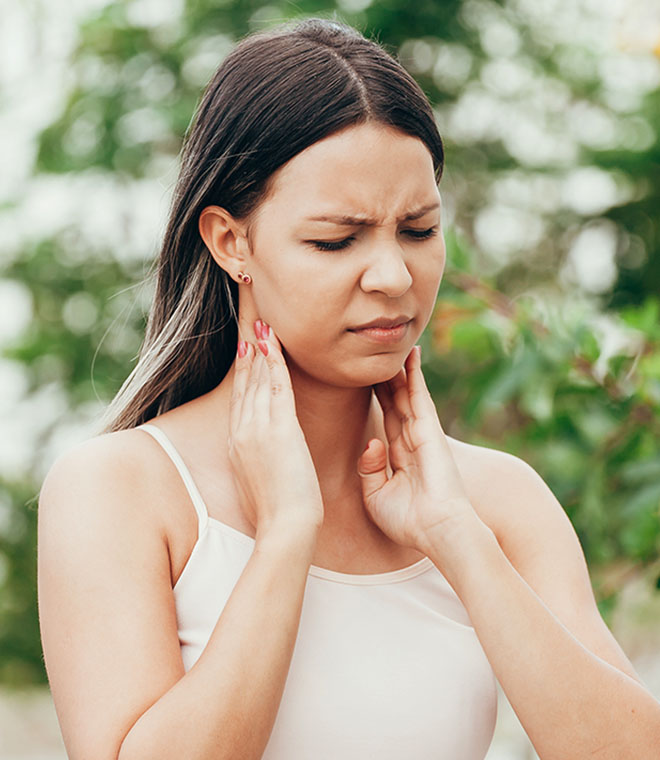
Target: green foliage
{"points": [[541, 387], [75, 304], [537, 376], [21, 660]]}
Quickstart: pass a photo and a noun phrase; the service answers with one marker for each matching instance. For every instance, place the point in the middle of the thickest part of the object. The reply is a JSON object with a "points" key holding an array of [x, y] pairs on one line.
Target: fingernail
{"points": [[242, 348], [261, 329], [419, 352], [263, 347]]}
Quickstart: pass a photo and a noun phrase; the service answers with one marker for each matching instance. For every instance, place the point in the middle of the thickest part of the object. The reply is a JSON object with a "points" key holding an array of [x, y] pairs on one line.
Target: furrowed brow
{"points": [[419, 212], [352, 221]]}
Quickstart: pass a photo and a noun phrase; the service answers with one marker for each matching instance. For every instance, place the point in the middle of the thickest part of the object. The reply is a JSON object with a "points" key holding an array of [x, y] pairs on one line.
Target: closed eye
{"points": [[338, 245], [328, 245], [422, 234]]}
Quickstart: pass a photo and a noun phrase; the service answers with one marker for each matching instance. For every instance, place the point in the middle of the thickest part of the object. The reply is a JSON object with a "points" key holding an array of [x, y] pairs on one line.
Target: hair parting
{"points": [[275, 94]]}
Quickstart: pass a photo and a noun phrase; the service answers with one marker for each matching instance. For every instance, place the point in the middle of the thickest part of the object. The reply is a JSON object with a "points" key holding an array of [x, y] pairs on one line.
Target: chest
{"points": [[375, 675], [348, 542], [379, 670]]}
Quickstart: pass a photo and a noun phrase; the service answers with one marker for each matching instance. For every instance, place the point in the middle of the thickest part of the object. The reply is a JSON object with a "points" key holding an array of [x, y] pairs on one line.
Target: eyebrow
{"points": [[351, 221]]}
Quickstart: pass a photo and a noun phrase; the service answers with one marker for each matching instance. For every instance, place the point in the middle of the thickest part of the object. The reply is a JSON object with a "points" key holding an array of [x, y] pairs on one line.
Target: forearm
{"points": [[570, 702], [225, 706]]}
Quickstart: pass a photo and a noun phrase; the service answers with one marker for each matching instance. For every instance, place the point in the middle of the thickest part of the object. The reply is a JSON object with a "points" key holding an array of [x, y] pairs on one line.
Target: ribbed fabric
{"points": [[385, 666]]}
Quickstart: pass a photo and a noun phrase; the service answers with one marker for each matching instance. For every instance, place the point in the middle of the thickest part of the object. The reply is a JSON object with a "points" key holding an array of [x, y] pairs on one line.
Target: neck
{"points": [[337, 423]]}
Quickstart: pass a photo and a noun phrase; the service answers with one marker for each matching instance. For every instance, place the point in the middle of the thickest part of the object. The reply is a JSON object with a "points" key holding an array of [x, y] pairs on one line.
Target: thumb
{"points": [[372, 466]]}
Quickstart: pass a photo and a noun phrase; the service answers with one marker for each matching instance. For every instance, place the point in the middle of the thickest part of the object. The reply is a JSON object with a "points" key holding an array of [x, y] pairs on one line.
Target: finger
{"points": [[264, 331], [242, 368], [400, 389], [372, 468], [247, 412], [396, 431], [401, 394], [282, 400], [391, 417], [421, 402], [262, 392]]}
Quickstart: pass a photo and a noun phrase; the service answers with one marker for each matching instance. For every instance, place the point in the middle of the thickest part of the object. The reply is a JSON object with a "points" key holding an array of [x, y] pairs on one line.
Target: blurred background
{"points": [[546, 337]]}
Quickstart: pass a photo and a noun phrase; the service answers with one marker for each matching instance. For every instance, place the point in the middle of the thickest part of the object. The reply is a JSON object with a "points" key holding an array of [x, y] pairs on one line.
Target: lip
{"points": [[384, 330], [383, 322]]}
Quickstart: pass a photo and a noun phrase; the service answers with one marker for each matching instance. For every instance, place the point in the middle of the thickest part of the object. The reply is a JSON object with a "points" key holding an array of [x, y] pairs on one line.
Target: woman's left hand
{"points": [[424, 496]]}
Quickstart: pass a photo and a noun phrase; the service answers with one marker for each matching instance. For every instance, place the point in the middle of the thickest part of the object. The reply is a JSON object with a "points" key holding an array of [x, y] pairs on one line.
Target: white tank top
{"points": [[385, 665]]}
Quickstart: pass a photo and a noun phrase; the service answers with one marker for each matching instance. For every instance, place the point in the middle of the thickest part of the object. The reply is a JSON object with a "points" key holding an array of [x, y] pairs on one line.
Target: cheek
{"points": [[427, 276], [299, 308], [296, 288]]}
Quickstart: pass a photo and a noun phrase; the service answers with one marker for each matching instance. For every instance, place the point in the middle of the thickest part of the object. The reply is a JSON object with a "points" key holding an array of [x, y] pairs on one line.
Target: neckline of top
{"points": [[362, 579]]}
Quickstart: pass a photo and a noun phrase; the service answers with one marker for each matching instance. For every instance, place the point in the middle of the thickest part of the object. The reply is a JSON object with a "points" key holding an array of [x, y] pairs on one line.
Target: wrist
{"points": [[455, 543], [297, 540]]}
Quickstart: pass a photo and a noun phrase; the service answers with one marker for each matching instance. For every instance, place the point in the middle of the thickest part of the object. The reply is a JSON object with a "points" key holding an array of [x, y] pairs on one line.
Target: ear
{"points": [[225, 238]]}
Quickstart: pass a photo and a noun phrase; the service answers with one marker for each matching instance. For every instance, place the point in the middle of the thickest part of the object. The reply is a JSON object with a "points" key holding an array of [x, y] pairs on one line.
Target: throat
{"points": [[350, 542]]}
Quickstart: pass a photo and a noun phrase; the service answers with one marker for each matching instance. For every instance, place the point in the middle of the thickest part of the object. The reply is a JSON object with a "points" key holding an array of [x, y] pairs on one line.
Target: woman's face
{"points": [[349, 235]]}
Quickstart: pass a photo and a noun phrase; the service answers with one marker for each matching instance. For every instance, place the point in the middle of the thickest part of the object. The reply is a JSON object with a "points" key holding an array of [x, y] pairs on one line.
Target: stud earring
{"points": [[245, 277]]}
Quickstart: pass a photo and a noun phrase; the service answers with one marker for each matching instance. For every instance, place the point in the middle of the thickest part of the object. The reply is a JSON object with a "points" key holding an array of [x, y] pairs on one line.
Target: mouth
{"points": [[384, 322], [383, 330]]}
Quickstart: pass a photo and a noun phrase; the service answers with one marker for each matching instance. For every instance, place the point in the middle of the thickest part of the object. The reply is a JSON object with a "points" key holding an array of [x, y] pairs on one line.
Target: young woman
{"points": [[274, 551]]}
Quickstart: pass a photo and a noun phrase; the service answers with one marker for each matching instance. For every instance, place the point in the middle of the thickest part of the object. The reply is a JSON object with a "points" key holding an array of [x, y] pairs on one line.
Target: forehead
{"points": [[369, 169]]}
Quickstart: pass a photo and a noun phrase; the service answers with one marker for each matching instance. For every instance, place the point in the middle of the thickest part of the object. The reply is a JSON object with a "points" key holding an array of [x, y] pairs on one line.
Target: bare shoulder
{"points": [[530, 524], [536, 535], [105, 585], [516, 503], [122, 478], [122, 455], [114, 471], [94, 505], [503, 488]]}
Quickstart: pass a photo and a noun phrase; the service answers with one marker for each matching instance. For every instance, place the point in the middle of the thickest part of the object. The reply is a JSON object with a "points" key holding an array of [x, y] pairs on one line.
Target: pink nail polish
{"points": [[259, 329], [242, 348], [263, 347], [265, 331]]}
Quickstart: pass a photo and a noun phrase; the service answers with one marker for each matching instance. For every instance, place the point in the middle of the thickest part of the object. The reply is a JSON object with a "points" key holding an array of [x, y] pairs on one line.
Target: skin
{"points": [[385, 270], [294, 448]]}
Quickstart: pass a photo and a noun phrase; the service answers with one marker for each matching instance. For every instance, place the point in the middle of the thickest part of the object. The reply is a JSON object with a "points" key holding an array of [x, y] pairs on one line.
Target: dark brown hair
{"points": [[274, 95]]}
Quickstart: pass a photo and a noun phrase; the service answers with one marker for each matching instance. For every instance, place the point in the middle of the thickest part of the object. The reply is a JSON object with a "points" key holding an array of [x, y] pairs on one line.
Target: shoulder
{"points": [[104, 487], [481, 463], [537, 537], [519, 507], [502, 486], [105, 585], [116, 460]]}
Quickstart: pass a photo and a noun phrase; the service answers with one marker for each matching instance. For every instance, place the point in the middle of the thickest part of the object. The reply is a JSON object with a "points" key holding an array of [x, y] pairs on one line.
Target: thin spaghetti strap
{"points": [[196, 497]]}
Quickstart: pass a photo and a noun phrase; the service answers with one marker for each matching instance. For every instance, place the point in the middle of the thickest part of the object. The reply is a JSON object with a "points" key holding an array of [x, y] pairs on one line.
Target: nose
{"points": [[387, 271]]}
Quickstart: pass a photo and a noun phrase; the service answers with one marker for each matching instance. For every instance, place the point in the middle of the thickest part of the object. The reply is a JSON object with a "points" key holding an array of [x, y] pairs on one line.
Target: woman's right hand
{"points": [[272, 466]]}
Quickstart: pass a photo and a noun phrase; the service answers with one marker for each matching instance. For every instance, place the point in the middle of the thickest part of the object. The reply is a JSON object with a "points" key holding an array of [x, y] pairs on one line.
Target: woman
{"points": [[275, 551]]}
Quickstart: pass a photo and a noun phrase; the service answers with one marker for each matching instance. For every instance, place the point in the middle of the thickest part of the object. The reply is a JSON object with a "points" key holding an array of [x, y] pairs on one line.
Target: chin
{"points": [[378, 368], [350, 371]]}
